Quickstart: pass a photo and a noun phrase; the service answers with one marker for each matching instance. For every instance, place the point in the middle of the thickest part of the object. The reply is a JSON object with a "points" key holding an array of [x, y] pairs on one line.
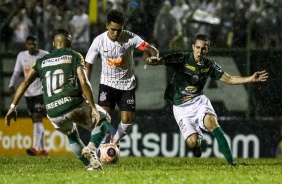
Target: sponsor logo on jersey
{"points": [[57, 60], [123, 47], [59, 102], [119, 81], [205, 70], [189, 67], [190, 89], [130, 101], [181, 126], [103, 96]]}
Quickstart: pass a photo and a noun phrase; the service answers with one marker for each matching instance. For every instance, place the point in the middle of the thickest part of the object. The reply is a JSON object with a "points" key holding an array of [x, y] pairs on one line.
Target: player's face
{"points": [[114, 30], [200, 49], [31, 46]]}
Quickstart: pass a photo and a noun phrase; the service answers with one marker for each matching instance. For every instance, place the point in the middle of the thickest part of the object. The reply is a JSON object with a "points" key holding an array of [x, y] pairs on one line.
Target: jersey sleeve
{"points": [[217, 72], [138, 41], [35, 65], [18, 65], [17, 70], [79, 60], [142, 46], [93, 51]]}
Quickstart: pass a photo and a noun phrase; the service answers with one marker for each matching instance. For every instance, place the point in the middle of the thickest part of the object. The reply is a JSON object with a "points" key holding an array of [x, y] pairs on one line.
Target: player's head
{"points": [[201, 47], [115, 23], [62, 39], [31, 44]]}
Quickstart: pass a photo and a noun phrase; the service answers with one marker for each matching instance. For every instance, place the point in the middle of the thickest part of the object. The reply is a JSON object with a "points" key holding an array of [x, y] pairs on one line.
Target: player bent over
{"points": [[65, 85], [193, 110]]}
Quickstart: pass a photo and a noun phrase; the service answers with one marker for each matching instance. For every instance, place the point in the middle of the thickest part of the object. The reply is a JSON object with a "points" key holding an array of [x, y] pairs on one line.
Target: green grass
{"points": [[135, 170]]}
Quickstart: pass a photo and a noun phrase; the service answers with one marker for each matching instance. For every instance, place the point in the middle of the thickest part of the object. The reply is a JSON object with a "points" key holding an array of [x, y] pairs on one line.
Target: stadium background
{"points": [[250, 114]]}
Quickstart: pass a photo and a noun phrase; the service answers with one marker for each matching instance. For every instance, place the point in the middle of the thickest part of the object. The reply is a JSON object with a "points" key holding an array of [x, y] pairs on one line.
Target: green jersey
{"points": [[61, 89], [189, 78]]}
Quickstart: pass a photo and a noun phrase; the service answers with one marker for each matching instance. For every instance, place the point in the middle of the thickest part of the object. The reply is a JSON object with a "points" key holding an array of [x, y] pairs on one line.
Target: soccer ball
{"points": [[108, 153]]}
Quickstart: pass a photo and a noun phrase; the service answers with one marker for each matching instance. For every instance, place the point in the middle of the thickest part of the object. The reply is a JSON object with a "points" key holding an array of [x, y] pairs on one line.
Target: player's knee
{"points": [[36, 117], [192, 141], [210, 122], [126, 120]]}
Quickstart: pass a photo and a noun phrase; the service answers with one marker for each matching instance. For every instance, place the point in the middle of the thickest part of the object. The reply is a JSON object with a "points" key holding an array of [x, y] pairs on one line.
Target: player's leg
{"points": [[208, 121], [126, 104], [82, 116], [190, 131], [67, 127], [211, 124], [124, 126], [107, 100], [39, 113], [186, 118], [36, 111]]}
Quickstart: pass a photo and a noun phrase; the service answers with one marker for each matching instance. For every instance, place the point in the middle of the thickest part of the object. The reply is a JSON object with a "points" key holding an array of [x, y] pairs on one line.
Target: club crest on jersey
{"points": [[130, 101], [103, 96], [123, 47], [182, 126]]}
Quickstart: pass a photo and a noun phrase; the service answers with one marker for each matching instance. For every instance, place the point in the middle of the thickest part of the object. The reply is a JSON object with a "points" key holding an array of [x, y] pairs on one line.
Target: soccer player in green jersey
{"points": [[191, 108], [68, 98]]}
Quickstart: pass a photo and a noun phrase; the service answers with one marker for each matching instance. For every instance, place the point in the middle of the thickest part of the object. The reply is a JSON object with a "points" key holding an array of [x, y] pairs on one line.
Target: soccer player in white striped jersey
{"points": [[33, 94], [117, 81]]}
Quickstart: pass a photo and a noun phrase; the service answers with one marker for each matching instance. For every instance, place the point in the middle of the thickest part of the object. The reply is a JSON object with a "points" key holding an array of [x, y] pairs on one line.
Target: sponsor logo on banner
{"points": [[14, 140], [18, 137]]}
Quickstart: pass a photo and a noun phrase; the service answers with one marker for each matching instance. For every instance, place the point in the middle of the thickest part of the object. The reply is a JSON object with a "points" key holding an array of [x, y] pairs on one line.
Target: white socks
{"points": [[122, 130], [38, 136]]}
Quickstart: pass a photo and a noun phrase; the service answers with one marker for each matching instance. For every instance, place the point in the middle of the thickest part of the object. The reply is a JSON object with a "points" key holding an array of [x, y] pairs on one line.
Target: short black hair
{"points": [[31, 38], [116, 16], [64, 32], [202, 37]]}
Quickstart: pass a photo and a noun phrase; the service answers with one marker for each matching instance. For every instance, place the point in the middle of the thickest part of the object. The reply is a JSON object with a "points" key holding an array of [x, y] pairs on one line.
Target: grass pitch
{"points": [[135, 170]]}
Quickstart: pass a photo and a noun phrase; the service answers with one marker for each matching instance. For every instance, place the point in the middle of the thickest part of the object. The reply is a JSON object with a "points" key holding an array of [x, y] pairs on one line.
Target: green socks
{"points": [[223, 144], [99, 132], [76, 145], [97, 136]]}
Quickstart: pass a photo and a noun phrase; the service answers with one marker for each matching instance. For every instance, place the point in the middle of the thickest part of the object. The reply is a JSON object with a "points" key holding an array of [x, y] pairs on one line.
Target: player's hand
{"points": [[95, 117], [11, 90], [153, 60], [260, 76], [12, 113]]}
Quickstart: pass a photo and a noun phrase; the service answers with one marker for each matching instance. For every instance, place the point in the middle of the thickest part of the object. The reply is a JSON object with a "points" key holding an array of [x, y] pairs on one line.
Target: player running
{"points": [[117, 81], [64, 84], [33, 94], [191, 108]]}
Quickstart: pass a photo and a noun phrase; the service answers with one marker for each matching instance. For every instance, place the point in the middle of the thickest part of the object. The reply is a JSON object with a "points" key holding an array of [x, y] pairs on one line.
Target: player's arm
{"points": [[151, 50], [16, 74], [259, 76], [88, 68], [88, 93], [31, 76], [172, 60], [148, 51], [14, 78]]}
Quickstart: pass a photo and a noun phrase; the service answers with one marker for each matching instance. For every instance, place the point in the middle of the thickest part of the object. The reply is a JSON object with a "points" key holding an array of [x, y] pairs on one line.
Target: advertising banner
{"points": [[152, 137], [18, 137]]}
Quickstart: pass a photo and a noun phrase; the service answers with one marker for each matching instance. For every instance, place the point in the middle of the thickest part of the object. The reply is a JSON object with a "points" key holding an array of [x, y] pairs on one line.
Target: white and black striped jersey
{"points": [[117, 58], [23, 64]]}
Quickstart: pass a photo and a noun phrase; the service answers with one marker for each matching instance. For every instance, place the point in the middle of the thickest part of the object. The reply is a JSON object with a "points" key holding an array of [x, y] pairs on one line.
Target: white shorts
{"points": [[190, 115], [81, 116]]}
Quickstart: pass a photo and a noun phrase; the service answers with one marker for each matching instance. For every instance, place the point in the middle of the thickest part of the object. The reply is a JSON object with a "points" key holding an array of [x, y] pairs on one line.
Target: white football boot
{"points": [[91, 155]]}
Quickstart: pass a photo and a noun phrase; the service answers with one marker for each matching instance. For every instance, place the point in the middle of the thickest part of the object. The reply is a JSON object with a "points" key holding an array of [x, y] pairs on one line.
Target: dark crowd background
{"points": [[249, 31], [169, 24]]}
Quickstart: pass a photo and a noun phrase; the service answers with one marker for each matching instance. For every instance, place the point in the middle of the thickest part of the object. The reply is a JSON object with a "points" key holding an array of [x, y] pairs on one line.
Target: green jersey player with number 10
{"points": [[65, 85], [193, 110]]}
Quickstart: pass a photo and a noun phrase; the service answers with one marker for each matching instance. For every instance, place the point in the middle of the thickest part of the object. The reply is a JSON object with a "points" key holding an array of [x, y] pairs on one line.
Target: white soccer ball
{"points": [[108, 153]]}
